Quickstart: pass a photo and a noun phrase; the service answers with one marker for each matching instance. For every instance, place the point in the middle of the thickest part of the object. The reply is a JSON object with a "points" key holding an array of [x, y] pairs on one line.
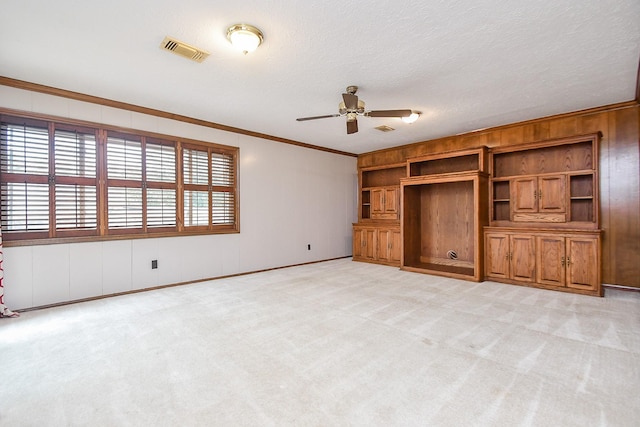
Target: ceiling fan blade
{"points": [[388, 113], [302, 119], [352, 126], [350, 101]]}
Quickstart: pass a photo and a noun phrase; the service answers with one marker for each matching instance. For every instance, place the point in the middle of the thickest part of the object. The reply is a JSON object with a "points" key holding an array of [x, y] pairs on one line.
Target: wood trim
{"points": [[172, 285], [34, 87]]}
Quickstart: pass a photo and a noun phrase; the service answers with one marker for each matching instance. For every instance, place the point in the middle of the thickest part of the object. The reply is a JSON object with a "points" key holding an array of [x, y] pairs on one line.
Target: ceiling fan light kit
{"points": [[352, 107], [412, 118], [245, 37]]}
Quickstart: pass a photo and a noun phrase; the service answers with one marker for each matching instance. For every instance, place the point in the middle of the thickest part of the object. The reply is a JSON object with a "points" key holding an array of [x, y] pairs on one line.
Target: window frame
{"points": [[103, 182]]}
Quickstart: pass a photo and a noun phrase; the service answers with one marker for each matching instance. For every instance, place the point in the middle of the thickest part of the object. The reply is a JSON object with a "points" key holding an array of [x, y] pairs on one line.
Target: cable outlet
{"points": [[154, 264]]}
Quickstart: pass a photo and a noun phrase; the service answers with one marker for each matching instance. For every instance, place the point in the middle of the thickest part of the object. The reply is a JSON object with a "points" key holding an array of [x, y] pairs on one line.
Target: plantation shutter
{"points": [[161, 184], [223, 183], [76, 180], [124, 182], [196, 187], [24, 175]]}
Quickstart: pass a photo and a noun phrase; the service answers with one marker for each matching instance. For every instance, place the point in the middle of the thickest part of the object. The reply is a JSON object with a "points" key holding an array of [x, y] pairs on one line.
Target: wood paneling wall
{"points": [[619, 172]]}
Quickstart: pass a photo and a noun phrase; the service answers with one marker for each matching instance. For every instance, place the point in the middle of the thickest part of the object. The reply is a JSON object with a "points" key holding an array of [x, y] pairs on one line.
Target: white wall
{"points": [[289, 197]]}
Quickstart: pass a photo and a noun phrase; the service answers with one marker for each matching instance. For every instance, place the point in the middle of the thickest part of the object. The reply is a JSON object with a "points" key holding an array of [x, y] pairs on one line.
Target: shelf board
{"points": [[582, 198], [502, 200]]}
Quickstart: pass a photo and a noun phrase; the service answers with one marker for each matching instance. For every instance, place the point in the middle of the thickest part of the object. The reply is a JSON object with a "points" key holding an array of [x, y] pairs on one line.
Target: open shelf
{"points": [[545, 159], [382, 177], [441, 223], [582, 210], [442, 163], [501, 201], [581, 192], [365, 202]]}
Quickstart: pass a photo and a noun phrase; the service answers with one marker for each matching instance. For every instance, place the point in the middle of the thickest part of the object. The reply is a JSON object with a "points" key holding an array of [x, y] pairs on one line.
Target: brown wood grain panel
{"points": [[592, 123], [411, 228], [474, 140], [566, 126], [541, 131], [447, 211], [622, 237], [512, 136], [603, 182]]}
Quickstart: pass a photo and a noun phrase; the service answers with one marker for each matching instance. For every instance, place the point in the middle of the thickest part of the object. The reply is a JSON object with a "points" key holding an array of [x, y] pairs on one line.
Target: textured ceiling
{"points": [[465, 64]]}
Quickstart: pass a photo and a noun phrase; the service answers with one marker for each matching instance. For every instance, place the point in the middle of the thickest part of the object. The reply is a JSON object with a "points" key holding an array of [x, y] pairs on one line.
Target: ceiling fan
{"points": [[352, 107]]}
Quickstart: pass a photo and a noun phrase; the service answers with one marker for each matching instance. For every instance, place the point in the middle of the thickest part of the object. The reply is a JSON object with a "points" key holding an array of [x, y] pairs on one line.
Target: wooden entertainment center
{"points": [[525, 214]]}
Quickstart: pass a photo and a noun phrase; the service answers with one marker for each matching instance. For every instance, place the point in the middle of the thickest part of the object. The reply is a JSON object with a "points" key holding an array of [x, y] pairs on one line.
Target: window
{"points": [[209, 182], [64, 180]]}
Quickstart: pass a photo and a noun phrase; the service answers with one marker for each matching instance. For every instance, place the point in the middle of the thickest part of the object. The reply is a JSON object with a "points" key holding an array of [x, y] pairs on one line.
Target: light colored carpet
{"points": [[334, 343]]}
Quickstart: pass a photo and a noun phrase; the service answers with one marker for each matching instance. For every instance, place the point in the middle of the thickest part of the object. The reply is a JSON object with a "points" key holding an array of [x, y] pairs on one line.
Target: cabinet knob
{"points": [[562, 261], [568, 261]]}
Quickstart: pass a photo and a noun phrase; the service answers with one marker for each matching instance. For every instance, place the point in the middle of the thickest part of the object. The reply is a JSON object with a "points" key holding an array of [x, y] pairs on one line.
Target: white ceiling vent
{"points": [[183, 49]]}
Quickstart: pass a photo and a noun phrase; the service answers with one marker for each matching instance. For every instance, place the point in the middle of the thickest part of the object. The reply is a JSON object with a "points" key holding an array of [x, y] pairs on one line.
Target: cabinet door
{"points": [[552, 194], [384, 203], [582, 263], [364, 241], [389, 245], [550, 260], [358, 248], [369, 243], [497, 255], [395, 251], [377, 201], [391, 201], [523, 258], [384, 242], [523, 195]]}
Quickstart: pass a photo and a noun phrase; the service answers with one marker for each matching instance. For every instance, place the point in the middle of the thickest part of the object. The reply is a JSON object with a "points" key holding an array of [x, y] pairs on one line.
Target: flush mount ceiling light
{"points": [[412, 118], [244, 37]]}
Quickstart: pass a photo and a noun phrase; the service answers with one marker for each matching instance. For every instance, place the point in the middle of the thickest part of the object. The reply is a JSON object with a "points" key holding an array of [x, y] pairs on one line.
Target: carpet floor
{"points": [[330, 344]]}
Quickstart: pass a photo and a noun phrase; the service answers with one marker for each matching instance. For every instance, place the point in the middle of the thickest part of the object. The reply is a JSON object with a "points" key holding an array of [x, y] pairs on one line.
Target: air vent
{"points": [[183, 49], [384, 128]]}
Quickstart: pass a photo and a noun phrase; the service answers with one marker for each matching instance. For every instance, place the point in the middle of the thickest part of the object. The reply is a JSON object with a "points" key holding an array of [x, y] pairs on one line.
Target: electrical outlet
{"points": [[309, 247], [154, 264]]}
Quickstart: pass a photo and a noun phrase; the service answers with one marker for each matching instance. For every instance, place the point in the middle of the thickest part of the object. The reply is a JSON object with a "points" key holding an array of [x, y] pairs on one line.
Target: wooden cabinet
{"points": [[379, 189], [553, 259], [539, 198], [546, 184], [544, 215], [389, 248], [510, 256], [569, 261], [379, 244], [384, 202], [364, 243]]}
